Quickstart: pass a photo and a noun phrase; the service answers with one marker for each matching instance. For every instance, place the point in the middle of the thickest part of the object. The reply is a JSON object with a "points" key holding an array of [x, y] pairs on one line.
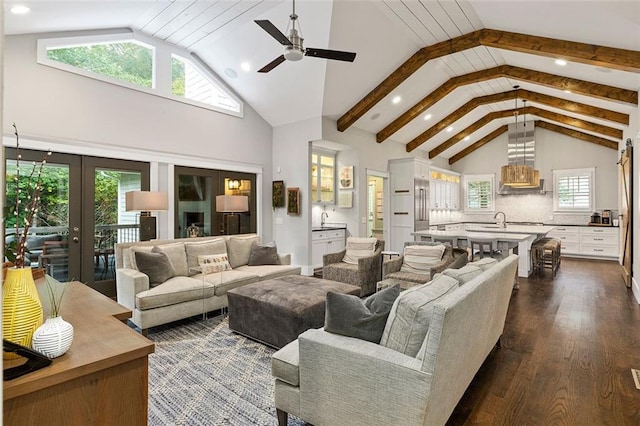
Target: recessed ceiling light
{"points": [[246, 66], [427, 117], [20, 10], [466, 138], [375, 116], [561, 62], [231, 73], [567, 91], [449, 129], [396, 100]]}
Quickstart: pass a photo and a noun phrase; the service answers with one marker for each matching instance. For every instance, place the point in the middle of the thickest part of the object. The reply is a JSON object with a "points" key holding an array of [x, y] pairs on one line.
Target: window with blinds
{"points": [[574, 190], [479, 193]]}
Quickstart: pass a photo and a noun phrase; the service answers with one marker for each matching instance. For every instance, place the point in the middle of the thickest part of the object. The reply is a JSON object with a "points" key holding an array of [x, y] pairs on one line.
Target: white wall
{"points": [[363, 152], [553, 151], [82, 115], [291, 163]]}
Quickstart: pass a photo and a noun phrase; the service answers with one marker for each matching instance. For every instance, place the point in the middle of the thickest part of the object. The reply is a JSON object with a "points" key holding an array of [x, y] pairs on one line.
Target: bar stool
{"points": [[453, 241], [546, 253], [486, 247]]}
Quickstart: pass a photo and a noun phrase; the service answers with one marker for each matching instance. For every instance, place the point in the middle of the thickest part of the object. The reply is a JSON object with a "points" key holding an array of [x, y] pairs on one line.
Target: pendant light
{"points": [[517, 175]]}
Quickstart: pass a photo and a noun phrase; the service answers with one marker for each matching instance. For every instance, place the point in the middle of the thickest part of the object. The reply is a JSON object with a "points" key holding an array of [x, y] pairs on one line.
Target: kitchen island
{"points": [[513, 237]]}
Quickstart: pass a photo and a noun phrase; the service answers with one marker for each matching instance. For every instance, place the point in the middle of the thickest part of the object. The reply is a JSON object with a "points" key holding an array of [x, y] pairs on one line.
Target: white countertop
{"points": [[462, 234], [512, 229]]}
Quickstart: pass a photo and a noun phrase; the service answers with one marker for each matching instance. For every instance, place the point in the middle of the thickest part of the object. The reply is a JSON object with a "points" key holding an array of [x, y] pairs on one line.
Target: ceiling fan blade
{"points": [[330, 54], [273, 31], [271, 65]]}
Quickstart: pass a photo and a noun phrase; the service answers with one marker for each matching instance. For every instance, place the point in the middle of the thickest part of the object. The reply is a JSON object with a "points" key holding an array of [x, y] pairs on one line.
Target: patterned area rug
{"points": [[204, 374]]}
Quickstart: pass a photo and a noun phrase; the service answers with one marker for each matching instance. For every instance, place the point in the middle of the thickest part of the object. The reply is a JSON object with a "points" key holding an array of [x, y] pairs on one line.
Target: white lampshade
{"points": [[146, 201], [232, 203]]}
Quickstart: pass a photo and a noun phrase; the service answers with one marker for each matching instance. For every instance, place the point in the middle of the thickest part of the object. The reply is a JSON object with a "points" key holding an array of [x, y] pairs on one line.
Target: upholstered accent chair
{"points": [[364, 273], [452, 258]]}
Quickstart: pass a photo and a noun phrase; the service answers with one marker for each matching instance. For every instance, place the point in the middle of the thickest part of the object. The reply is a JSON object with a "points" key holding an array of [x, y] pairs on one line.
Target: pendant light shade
{"points": [[519, 175]]}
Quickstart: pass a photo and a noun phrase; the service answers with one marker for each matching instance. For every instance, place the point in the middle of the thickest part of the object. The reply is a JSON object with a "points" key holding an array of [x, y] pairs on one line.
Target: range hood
{"points": [[521, 150]]}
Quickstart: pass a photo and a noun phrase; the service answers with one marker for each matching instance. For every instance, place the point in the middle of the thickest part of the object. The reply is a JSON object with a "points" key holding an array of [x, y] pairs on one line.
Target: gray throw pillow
{"points": [[351, 316], [264, 255], [156, 266]]}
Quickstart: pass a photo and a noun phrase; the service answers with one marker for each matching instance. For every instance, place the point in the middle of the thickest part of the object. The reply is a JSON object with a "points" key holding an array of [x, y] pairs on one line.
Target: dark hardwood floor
{"points": [[567, 350]]}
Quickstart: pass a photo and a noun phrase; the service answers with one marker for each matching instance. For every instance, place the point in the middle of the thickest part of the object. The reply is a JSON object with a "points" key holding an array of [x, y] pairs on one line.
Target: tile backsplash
{"points": [[519, 208]]}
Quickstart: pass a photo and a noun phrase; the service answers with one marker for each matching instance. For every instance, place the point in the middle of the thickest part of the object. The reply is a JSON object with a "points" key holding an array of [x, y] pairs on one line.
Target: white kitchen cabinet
{"points": [[445, 189], [588, 241], [324, 242]]}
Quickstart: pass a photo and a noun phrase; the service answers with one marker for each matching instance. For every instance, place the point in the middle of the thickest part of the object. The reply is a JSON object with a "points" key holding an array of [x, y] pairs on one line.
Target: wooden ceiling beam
{"points": [[607, 143], [485, 140], [468, 131], [552, 101], [603, 56], [561, 118], [575, 107], [575, 122], [582, 87], [411, 65], [590, 54]]}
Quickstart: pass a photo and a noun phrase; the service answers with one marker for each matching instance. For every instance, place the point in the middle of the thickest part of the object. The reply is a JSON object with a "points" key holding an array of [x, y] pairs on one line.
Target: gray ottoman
{"points": [[276, 311]]}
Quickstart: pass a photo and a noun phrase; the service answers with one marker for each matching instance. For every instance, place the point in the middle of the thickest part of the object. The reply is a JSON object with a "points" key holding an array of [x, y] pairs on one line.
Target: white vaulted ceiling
{"points": [[384, 33]]}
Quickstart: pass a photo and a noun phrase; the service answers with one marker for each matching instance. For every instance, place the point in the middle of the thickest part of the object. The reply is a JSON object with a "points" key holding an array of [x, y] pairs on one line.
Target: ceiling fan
{"points": [[293, 48]]}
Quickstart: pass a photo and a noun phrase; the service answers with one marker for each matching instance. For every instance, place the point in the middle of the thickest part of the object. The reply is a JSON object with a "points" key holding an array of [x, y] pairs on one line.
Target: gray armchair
{"points": [[452, 259], [365, 274]]}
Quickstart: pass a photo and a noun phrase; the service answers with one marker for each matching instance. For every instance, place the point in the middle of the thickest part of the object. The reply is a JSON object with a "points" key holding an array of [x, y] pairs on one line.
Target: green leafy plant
{"points": [[55, 291]]}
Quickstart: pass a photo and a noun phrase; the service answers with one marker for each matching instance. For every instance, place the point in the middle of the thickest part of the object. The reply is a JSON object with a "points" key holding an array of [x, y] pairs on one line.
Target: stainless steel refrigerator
{"points": [[421, 205]]}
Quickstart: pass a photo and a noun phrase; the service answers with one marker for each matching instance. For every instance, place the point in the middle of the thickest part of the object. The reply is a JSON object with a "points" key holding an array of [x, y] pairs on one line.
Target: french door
{"points": [[81, 214]]}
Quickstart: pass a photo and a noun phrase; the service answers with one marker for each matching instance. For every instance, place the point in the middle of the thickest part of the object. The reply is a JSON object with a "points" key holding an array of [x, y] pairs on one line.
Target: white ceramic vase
{"points": [[53, 338]]}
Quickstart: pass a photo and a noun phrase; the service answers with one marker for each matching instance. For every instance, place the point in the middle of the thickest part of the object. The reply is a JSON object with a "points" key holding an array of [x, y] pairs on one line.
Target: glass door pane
{"points": [[112, 223], [105, 221], [48, 238], [194, 210]]}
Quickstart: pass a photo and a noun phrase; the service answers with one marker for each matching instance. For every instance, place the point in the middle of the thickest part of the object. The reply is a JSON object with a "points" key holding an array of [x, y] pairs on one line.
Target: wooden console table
{"points": [[102, 379]]}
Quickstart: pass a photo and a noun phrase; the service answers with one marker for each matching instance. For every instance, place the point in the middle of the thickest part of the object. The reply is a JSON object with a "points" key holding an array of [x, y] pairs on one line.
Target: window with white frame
{"points": [[142, 63], [574, 190], [479, 193]]}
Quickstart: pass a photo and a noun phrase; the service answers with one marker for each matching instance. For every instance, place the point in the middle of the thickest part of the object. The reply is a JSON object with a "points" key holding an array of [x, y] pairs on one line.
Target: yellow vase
{"points": [[21, 307]]}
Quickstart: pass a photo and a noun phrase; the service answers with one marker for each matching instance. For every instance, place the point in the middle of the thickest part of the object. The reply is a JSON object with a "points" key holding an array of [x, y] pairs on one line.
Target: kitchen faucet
{"points": [[504, 219], [323, 217]]}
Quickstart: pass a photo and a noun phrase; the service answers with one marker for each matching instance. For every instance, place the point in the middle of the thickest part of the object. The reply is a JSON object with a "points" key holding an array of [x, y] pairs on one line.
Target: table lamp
{"points": [[232, 204], [145, 202]]}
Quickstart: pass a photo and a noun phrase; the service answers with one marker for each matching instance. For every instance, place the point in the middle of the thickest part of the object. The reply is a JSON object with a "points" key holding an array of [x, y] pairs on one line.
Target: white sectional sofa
{"points": [[187, 293]]}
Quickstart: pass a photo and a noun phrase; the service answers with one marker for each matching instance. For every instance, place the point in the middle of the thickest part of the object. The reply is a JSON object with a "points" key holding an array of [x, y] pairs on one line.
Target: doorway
{"points": [[376, 201], [81, 214]]}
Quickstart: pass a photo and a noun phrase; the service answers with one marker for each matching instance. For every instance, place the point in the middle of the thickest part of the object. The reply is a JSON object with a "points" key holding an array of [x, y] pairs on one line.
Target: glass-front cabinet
{"points": [[323, 174]]}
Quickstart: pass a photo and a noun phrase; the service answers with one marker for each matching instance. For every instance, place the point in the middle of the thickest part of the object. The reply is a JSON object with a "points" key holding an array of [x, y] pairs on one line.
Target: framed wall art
{"points": [[346, 177], [293, 201], [277, 194]]}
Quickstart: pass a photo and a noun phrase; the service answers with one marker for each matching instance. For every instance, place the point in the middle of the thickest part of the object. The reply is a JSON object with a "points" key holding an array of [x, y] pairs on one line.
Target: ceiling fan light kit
{"points": [[293, 45]]}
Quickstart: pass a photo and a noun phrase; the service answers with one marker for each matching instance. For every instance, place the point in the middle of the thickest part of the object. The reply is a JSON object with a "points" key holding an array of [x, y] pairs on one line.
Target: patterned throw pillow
{"points": [[214, 263], [357, 248], [419, 259]]}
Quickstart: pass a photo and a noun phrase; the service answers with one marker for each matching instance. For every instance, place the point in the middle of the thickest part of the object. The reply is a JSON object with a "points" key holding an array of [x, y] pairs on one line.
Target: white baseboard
{"points": [[635, 287]]}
